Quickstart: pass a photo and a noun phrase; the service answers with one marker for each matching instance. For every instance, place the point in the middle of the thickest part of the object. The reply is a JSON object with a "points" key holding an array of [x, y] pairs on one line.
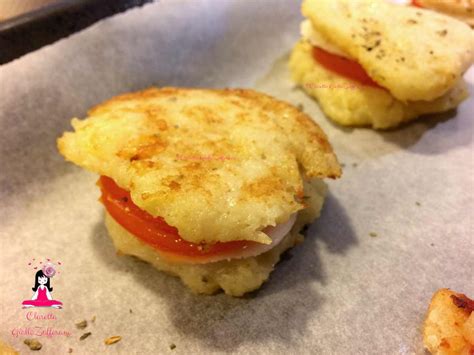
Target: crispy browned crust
{"points": [[219, 165], [463, 302]]}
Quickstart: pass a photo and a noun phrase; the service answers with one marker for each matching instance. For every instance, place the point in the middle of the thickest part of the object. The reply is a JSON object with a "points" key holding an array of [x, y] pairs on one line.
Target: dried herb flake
{"points": [[82, 324], [85, 335], [33, 344]]}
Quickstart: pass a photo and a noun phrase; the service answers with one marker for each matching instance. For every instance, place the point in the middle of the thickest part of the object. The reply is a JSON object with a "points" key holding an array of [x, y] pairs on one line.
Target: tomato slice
{"points": [[155, 232], [416, 3], [344, 67]]}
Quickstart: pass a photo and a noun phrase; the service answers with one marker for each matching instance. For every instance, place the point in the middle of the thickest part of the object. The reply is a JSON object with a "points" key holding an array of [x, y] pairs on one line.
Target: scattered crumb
{"points": [[70, 350], [112, 340], [33, 344], [85, 335], [93, 319], [432, 244], [300, 107], [417, 203], [172, 346], [82, 324], [343, 165], [355, 165], [130, 310], [373, 234]]}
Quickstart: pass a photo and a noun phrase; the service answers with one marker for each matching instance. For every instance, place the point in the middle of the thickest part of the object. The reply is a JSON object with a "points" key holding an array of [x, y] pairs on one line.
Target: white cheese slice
{"points": [[276, 233], [316, 39]]}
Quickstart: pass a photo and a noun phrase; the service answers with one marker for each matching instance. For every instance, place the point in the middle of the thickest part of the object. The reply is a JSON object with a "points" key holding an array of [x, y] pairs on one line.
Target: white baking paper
{"points": [[342, 292]]}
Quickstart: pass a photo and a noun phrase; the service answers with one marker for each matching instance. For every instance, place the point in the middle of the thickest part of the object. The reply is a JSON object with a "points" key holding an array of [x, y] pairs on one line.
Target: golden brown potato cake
{"points": [[219, 165], [449, 324]]}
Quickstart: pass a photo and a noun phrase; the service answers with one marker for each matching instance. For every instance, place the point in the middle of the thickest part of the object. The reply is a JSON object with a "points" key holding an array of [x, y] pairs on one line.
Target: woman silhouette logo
{"points": [[42, 296]]}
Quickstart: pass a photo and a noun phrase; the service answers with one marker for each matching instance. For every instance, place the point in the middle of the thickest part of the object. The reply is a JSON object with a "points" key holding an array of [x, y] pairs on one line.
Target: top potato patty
{"points": [[219, 165]]}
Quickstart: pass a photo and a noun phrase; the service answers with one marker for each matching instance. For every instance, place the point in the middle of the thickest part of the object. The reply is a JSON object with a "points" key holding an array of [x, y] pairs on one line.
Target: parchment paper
{"points": [[342, 291]]}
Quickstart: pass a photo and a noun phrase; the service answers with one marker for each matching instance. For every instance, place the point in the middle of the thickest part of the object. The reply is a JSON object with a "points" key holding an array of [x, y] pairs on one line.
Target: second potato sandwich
{"points": [[373, 63], [208, 185]]}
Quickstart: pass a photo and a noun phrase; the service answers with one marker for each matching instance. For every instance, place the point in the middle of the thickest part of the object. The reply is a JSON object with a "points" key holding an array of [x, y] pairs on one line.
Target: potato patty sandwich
{"points": [[374, 63], [208, 185]]}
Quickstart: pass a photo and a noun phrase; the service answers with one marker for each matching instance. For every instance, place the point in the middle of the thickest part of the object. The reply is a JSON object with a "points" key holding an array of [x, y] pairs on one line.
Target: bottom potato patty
{"points": [[237, 276]]}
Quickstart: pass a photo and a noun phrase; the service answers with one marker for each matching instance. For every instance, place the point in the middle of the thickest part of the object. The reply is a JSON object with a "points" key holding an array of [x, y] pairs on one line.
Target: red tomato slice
{"points": [[416, 3], [343, 66], [155, 232]]}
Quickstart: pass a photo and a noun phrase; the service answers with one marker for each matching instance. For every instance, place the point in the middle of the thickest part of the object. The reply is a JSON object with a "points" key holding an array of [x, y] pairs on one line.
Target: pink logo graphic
{"points": [[42, 288]]}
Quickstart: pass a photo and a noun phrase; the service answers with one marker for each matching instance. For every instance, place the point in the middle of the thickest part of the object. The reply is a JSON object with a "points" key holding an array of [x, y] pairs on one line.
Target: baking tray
{"points": [[32, 30], [343, 291]]}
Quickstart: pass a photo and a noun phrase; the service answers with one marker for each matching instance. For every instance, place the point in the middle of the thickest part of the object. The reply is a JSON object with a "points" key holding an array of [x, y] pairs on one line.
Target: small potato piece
{"points": [[6, 349], [449, 325]]}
